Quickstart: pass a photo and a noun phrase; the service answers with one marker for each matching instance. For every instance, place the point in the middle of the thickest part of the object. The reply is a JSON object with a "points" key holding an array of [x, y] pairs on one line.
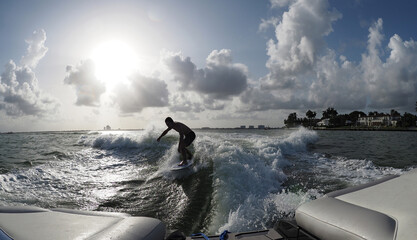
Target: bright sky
{"points": [[129, 64]]}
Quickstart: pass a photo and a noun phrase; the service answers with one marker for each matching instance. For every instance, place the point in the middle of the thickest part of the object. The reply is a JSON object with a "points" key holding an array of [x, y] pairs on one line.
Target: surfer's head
{"points": [[169, 121]]}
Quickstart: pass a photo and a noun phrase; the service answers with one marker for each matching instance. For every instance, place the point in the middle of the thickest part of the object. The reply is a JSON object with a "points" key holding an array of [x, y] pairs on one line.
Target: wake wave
{"points": [[250, 179], [251, 173], [120, 140], [248, 173]]}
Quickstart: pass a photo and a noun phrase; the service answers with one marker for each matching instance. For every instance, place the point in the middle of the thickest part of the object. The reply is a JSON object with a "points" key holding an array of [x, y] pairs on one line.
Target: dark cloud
{"points": [[220, 79], [87, 87], [185, 71], [214, 104], [192, 102], [141, 92], [185, 102]]}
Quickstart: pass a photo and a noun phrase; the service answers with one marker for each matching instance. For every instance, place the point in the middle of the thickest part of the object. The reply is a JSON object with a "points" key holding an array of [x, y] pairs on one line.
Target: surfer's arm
{"points": [[163, 134]]}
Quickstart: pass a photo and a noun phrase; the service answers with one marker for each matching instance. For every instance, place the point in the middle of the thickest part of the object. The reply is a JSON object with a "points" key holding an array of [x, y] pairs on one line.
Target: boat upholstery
{"points": [[38, 223], [385, 209]]}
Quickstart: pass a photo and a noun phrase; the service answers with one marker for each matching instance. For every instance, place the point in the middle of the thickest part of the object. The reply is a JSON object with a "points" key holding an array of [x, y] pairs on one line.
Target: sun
{"points": [[114, 61]]}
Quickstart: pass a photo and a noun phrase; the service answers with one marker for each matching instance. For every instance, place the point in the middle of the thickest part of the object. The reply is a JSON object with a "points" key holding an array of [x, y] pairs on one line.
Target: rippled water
{"points": [[241, 180]]}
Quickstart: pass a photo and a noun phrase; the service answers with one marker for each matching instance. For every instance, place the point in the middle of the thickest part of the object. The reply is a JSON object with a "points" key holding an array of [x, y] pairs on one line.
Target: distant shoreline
{"points": [[367, 129], [388, 129]]}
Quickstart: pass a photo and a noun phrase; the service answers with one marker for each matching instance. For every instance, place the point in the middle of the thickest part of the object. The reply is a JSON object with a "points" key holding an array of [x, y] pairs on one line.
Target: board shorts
{"points": [[189, 138]]}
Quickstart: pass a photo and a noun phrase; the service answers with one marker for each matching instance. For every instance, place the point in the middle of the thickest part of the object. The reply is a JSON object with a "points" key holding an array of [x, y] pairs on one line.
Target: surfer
{"points": [[187, 136]]}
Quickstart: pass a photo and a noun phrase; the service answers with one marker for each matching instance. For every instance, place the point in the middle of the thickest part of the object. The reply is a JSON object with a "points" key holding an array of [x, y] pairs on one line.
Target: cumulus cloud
{"points": [[36, 49], [391, 82], [373, 82], [220, 79], [19, 91], [299, 39], [87, 87], [305, 73], [141, 92]]}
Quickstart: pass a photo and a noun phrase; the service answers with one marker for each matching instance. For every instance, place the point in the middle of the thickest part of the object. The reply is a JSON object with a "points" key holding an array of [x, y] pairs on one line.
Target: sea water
{"points": [[241, 180]]}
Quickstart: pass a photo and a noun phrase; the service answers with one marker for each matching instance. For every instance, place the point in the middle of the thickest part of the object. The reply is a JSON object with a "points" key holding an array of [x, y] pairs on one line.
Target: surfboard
{"points": [[176, 167]]}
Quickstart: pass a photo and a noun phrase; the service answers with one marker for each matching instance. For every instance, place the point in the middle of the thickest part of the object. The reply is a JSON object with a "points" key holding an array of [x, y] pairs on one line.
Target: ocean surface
{"points": [[242, 179]]}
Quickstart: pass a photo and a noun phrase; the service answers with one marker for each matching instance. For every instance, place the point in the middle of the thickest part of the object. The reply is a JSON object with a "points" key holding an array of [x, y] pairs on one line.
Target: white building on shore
{"points": [[378, 120], [324, 123]]}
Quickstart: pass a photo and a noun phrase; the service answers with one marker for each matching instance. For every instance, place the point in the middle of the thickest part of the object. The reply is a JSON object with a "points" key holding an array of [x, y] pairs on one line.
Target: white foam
{"points": [[353, 171], [248, 176], [108, 140], [247, 170], [260, 213], [170, 159]]}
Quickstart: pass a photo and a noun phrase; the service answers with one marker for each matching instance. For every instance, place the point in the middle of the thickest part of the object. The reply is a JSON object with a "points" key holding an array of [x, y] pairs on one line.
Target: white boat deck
{"points": [[385, 209], [38, 223]]}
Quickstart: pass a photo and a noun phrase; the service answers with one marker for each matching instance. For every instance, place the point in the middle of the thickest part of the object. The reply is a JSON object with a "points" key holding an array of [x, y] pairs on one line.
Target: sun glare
{"points": [[114, 61]]}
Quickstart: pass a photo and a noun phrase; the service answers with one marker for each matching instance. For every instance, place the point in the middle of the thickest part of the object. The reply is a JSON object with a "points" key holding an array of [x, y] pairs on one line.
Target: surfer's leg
{"points": [[184, 155], [183, 151], [190, 156], [189, 138]]}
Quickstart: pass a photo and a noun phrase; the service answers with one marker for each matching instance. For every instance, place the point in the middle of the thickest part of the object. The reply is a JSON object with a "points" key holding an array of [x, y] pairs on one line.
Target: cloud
{"points": [[258, 99], [194, 102], [393, 82], [19, 91], [87, 87], [305, 73], [299, 39], [185, 102], [337, 82], [280, 3], [374, 82], [220, 79], [36, 49], [20, 94], [265, 24], [141, 92]]}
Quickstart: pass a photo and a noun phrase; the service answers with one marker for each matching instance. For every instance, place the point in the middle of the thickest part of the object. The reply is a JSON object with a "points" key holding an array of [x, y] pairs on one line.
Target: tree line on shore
{"points": [[340, 120]]}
